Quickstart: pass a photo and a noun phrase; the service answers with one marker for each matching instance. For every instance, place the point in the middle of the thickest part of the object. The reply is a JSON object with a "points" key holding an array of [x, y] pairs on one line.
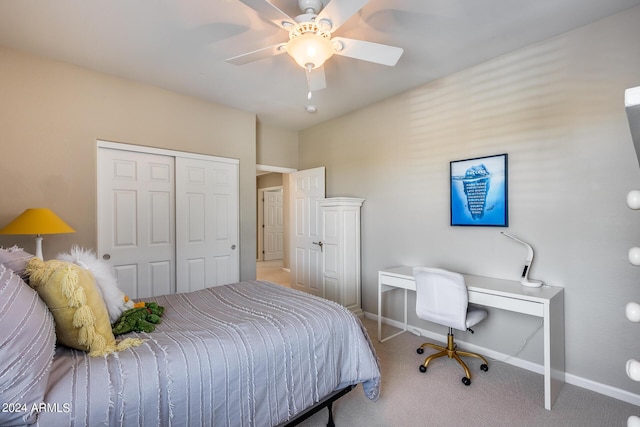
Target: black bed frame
{"points": [[326, 402]]}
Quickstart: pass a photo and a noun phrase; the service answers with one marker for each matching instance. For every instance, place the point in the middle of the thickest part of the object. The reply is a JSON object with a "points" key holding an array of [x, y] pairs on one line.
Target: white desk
{"points": [[546, 302]]}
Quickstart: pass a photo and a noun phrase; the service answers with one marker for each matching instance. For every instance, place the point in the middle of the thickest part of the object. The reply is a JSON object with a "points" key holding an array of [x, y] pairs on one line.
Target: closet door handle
{"points": [[319, 244]]}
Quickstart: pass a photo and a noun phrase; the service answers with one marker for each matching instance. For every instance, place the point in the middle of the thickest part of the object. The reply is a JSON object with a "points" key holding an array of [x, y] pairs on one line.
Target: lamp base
{"points": [[530, 283], [39, 247]]}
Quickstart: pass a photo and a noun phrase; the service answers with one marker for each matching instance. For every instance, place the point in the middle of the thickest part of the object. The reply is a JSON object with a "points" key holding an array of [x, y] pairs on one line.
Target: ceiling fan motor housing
{"points": [[310, 6]]}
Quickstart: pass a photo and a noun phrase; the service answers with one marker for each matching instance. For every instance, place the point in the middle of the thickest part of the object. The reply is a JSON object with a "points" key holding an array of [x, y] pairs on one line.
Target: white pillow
{"points": [[16, 259], [113, 297]]}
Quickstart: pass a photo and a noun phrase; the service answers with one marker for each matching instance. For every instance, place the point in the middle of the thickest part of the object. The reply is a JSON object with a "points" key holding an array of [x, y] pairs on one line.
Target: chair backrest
{"points": [[441, 297]]}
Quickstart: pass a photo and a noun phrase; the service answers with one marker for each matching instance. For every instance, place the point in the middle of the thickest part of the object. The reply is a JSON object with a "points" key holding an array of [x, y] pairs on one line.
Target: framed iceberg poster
{"points": [[479, 191]]}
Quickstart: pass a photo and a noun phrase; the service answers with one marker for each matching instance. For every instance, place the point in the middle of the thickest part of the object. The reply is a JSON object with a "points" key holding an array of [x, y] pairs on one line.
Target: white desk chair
{"points": [[442, 297]]}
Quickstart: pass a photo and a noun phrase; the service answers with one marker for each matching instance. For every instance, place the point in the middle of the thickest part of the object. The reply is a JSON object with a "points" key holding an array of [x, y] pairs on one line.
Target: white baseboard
{"points": [[604, 389], [607, 390]]}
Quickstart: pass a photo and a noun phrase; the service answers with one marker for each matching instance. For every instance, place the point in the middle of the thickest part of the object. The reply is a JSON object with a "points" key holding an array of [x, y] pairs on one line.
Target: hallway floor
{"points": [[272, 271]]}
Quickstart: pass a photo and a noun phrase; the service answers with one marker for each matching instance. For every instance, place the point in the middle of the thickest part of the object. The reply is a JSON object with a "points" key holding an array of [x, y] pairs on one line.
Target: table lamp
{"points": [[37, 221], [524, 280]]}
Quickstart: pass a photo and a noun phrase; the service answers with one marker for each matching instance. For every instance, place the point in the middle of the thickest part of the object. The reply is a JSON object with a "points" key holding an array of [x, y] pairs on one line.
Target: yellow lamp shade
{"points": [[37, 221]]}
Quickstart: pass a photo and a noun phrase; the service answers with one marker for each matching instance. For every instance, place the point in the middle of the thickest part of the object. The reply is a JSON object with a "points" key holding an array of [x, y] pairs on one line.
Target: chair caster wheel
{"points": [[420, 350], [466, 381], [423, 369], [484, 367]]}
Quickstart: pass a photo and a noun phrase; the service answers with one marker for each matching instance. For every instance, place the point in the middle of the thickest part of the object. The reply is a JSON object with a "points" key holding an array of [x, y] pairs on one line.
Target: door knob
{"points": [[233, 247], [319, 244], [106, 257]]}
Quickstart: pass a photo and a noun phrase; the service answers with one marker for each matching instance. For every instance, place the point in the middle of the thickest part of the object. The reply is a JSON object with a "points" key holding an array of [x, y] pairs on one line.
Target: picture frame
{"points": [[479, 191]]}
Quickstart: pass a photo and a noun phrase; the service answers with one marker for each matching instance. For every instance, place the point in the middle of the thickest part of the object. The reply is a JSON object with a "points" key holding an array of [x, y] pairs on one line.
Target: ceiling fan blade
{"points": [[339, 11], [317, 79], [257, 55], [368, 51], [271, 13]]}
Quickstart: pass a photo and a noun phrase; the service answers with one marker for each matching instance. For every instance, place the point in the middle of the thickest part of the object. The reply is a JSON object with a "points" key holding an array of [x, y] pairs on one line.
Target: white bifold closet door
{"points": [[167, 223], [207, 224]]}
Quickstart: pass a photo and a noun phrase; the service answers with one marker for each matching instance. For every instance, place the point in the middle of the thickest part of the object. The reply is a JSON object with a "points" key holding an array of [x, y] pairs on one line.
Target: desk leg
{"points": [[380, 292], [379, 311], [554, 374], [406, 323]]}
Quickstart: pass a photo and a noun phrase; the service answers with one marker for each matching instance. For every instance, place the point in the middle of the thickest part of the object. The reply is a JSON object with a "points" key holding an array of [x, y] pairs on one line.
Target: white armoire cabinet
{"points": [[341, 251]]}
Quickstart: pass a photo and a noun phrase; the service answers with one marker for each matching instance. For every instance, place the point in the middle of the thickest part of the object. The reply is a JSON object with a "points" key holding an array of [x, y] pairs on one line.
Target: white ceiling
{"points": [[181, 45]]}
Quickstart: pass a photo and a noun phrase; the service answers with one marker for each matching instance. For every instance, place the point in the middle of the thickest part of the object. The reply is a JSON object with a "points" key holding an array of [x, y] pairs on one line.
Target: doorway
{"points": [[269, 178], [306, 187], [271, 223]]}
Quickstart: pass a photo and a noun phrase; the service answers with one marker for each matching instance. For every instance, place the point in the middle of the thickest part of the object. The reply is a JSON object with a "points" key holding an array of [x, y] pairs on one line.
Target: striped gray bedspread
{"points": [[246, 354]]}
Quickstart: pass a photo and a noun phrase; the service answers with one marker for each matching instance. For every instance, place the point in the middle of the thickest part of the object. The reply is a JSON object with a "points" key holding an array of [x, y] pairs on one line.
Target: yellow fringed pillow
{"points": [[81, 317]]}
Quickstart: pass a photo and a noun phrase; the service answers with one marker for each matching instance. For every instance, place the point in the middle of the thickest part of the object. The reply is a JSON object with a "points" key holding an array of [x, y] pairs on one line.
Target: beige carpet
{"points": [[503, 396], [272, 271]]}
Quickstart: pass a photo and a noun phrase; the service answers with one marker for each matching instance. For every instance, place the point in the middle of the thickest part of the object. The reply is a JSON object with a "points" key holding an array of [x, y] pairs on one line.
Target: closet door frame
{"points": [[174, 154]]}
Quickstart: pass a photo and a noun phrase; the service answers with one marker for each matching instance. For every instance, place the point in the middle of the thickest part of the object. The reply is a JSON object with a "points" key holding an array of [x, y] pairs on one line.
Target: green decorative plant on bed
{"points": [[139, 319]]}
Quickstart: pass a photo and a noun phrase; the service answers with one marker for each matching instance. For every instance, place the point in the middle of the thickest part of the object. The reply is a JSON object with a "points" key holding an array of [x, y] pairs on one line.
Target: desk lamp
{"points": [[37, 221], [524, 280]]}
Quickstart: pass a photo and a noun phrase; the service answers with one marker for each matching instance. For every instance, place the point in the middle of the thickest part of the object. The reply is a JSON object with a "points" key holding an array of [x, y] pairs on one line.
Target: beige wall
{"points": [[276, 147], [51, 115], [557, 109]]}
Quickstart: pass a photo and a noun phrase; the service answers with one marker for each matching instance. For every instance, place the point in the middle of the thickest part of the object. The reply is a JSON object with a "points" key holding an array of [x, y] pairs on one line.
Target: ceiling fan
{"points": [[310, 37]]}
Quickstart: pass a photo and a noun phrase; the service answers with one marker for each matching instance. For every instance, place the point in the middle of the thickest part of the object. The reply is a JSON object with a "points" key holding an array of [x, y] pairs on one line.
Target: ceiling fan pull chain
{"points": [[309, 67]]}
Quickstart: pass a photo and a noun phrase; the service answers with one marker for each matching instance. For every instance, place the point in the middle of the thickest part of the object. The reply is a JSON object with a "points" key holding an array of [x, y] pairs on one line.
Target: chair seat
{"points": [[475, 315]]}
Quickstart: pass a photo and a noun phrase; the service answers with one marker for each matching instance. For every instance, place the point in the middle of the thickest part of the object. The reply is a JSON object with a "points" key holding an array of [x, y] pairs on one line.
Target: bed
{"points": [[246, 354]]}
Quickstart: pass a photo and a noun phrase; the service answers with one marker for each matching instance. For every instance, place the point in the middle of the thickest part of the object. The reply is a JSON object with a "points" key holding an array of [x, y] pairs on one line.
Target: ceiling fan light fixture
{"points": [[309, 46]]}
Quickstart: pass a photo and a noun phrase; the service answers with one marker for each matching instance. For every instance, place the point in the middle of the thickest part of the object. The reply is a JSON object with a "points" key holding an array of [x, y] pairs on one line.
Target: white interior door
{"points": [[273, 223], [136, 220], [207, 252], [307, 188]]}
